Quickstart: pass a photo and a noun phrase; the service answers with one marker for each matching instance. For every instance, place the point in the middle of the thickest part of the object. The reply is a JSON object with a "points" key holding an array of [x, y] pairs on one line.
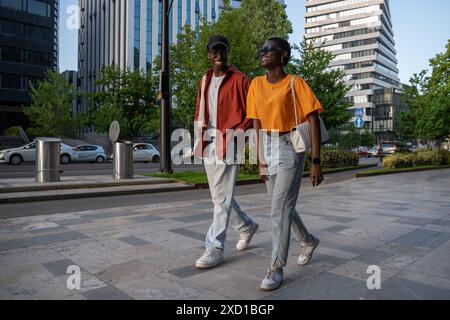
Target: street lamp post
{"points": [[166, 163]]}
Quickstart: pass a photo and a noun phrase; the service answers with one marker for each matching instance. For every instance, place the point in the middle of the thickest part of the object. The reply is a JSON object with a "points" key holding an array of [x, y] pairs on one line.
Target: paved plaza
{"points": [[400, 223]]}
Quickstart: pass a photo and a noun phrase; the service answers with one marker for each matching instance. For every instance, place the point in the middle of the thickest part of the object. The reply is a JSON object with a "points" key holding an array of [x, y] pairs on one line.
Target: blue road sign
{"points": [[359, 113], [359, 122]]}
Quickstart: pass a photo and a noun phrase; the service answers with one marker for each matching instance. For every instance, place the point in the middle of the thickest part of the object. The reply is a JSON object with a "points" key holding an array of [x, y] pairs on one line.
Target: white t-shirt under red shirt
{"points": [[213, 95]]}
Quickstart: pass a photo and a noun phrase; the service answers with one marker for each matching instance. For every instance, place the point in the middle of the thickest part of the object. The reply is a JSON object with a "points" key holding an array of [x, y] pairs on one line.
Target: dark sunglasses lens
{"points": [[263, 51]]}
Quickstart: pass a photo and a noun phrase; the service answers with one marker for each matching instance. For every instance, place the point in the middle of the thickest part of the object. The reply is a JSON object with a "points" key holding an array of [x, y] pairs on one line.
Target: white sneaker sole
{"points": [[267, 288], [208, 266]]}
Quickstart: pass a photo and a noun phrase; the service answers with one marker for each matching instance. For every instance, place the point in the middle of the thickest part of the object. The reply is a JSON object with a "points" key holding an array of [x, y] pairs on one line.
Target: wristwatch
{"points": [[316, 161]]}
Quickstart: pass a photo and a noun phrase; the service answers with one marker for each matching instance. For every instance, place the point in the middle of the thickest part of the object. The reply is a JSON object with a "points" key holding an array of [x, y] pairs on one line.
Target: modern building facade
{"points": [[388, 104], [360, 35], [128, 33], [71, 77], [28, 48]]}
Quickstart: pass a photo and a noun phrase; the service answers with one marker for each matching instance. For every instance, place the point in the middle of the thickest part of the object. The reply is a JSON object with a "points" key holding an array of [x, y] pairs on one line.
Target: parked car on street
{"points": [[387, 148], [411, 147], [372, 152], [361, 151], [145, 152], [89, 153], [27, 153]]}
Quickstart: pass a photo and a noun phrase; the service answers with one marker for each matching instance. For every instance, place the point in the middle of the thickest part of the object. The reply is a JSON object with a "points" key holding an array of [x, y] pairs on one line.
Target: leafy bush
{"points": [[331, 158], [338, 159], [334, 159], [247, 167], [421, 158]]}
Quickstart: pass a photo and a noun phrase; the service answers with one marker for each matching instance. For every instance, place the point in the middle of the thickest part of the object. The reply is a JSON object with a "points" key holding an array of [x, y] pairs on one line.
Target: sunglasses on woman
{"points": [[268, 48]]}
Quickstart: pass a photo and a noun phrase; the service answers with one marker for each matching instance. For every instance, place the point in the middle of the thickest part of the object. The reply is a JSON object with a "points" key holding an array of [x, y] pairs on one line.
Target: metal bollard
{"points": [[123, 160], [47, 160]]}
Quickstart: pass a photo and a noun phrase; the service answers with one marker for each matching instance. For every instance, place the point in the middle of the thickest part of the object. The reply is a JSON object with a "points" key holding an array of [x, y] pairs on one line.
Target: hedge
{"points": [[330, 159], [414, 159]]}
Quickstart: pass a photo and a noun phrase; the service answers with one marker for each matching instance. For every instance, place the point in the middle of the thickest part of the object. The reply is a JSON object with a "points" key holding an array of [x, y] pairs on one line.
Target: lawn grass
{"points": [[370, 173], [200, 179]]}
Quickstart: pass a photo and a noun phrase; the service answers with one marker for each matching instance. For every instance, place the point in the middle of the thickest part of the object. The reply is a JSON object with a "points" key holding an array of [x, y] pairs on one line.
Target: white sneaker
{"points": [[246, 237], [210, 258], [273, 279], [306, 251]]}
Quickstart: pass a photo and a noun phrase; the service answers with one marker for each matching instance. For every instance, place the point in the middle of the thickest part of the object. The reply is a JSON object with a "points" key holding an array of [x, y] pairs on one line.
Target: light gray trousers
{"points": [[222, 181], [285, 175]]}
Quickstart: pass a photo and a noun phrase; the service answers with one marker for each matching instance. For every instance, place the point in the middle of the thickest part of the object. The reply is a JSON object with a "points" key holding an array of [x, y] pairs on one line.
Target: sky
{"points": [[421, 30]]}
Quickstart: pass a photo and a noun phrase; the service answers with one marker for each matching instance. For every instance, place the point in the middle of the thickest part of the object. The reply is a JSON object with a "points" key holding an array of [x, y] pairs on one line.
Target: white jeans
{"points": [[222, 181]]}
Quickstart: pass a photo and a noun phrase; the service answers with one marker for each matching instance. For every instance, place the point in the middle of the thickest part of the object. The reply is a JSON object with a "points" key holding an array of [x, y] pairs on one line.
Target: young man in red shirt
{"points": [[224, 103]]}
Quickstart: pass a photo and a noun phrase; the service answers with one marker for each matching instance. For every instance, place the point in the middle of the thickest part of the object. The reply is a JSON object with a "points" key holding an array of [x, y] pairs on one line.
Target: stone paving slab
{"points": [[399, 223]]}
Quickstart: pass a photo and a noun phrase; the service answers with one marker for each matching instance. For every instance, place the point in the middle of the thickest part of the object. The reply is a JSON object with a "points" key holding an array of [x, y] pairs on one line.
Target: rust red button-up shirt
{"points": [[231, 103]]}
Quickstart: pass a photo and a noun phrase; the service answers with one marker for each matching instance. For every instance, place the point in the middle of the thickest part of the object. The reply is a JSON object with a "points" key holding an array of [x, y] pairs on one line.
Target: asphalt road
{"points": [[27, 170]]}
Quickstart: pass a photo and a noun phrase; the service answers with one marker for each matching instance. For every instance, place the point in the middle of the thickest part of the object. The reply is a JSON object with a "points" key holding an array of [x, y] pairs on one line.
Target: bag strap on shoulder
{"points": [[294, 100], [201, 112]]}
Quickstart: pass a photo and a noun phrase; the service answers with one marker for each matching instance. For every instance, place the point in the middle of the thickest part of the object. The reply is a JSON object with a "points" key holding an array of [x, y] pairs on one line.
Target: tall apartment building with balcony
{"points": [[28, 48], [360, 35]]}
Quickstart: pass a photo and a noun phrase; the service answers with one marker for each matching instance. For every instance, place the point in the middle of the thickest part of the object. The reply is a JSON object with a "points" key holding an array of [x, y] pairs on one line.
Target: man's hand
{"points": [[316, 174]]}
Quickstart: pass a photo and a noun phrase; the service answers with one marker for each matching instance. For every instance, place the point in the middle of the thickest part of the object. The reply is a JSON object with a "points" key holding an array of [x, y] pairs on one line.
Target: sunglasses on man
{"points": [[268, 48]]}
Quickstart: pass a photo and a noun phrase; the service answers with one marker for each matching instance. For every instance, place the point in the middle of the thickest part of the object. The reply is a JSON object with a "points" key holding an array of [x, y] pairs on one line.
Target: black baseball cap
{"points": [[217, 39]]}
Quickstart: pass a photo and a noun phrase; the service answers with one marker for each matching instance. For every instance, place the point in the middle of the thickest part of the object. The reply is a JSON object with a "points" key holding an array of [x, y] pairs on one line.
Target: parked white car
{"points": [[27, 153], [89, 153], [145, 152]]}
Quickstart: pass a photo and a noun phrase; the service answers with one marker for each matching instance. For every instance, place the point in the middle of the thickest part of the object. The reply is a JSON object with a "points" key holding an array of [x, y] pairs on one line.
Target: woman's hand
{"points": [[316, 175], [263, 171]]}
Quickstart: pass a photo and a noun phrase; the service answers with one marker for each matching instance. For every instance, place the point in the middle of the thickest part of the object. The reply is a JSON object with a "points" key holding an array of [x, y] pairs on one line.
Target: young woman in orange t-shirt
{"points": [[270, 105]]}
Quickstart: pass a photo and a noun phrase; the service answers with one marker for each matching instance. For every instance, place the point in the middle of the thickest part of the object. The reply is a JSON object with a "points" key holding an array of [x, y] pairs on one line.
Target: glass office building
{"points": [[128, 33], [28, 48]]}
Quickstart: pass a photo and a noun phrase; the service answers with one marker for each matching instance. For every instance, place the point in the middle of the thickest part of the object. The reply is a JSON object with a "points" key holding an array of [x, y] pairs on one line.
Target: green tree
{"points": [[50, 112], [247, 28], [126, 96], [351, 137], [328, 85], [428, 98]]}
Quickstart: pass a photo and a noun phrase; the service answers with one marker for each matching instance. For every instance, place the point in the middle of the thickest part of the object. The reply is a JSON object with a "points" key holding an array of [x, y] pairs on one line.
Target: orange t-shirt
{"points": [[272, 103]]}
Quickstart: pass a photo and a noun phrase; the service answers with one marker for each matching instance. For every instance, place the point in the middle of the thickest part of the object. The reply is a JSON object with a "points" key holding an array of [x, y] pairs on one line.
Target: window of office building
{"points": [[11, 81], [170, 26], [11, 55], [160, 14], [38, 58], [180, 16], [334, 5], [213, 11], [137, 30], [148, 58], [39, 8], [11, 4], [205, 9], [38, 33], [188, 15], [36, 7], [197, 15], [11, 27]]}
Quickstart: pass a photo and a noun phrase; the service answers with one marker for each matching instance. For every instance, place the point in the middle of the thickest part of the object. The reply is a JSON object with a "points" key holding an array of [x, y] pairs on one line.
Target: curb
{"points": [[381, 173], [256, 181], [69, 185], [94, 194]]}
